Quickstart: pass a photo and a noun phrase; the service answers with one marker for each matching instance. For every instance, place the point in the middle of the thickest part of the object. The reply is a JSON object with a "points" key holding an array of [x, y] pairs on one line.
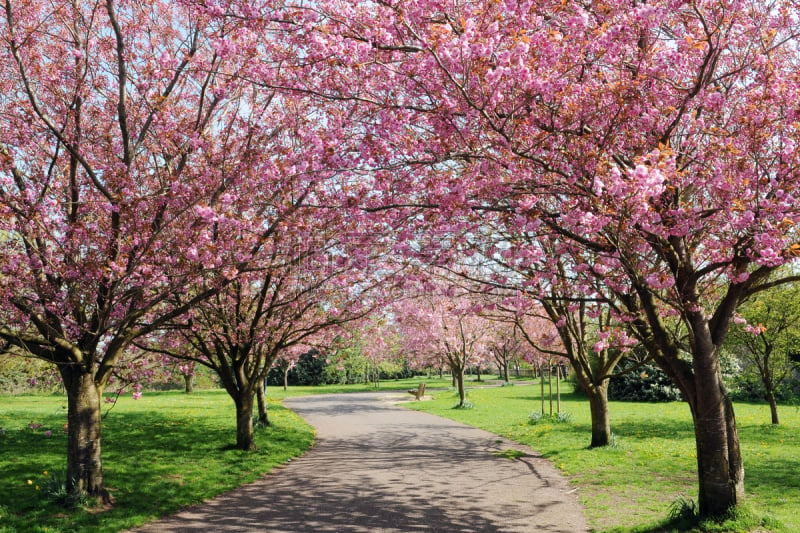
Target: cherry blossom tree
{"points": [[296, 293], [593, 344], [659, 137], [508, 346], [188, 372], [287, 360], [535, 284], [559, 313], [378, 339], [440, 321], [124, 126]]}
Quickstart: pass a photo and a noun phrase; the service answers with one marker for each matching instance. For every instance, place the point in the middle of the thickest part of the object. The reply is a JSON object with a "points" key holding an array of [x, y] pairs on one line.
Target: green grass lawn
{"points": [[630, 486], [169, 450], [276, 392], [160, 453]]}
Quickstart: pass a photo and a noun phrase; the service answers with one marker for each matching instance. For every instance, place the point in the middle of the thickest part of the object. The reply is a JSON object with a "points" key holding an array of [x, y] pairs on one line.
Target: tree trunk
{"points": [[261, 396], [541, 382], [505, 372], [245, 439], [286, 379], [84, 418], [598, 405], [720, 468], [188, 380], [558, 389], [478, 372], [550, 387], [458, 375], [773, 407]]}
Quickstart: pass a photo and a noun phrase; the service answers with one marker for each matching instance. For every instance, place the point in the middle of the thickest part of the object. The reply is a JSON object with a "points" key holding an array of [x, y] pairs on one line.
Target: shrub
{"points": [[563, 417], [746, 386], [391, 370], [537, 416], [577, 390], [645, 384], [309, 370]]}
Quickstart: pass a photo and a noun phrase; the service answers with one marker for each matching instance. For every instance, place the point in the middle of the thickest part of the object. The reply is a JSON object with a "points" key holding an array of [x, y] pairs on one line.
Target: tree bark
{"points": [[541, 383], [558, 389], [261, 396], [245, 439], [719, 465], [720, 469], [766, 373], [84, 432], [458, 379], [286, 379], [188, 380], [598, 405], [773, 407]]}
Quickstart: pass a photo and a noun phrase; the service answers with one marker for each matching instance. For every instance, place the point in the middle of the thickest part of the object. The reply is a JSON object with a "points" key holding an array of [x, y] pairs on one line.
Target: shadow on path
{"points": [[378, 467]]}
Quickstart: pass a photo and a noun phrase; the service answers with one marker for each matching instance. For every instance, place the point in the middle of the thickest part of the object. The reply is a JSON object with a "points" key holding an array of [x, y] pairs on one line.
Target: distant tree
{"points": [[591, 341], [507, 345], [285, 363], [188, 372], [765, 337], [441, 321], [240, 332], [310, 368]]}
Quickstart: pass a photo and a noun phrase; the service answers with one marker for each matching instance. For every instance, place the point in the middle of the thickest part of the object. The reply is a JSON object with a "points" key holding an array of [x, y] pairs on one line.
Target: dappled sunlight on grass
{"points": [[169, 450], [631, 484], [160, 453]]}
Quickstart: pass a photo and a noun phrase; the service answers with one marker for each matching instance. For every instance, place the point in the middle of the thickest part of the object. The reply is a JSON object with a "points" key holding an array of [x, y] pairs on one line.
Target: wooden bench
{"points": [[419, 392]]}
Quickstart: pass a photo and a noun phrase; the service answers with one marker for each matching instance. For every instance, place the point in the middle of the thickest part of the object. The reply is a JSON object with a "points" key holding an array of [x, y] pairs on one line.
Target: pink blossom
{"points": [[600, 345], [755, 330]]}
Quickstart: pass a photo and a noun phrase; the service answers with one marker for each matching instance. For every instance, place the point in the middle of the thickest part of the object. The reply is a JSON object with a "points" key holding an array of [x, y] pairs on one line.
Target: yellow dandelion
{"points": [[30, 482], [45, 472]]}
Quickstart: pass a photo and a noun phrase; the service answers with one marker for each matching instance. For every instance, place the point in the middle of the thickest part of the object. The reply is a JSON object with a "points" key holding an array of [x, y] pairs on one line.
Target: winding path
{"points": [[379, 467]]}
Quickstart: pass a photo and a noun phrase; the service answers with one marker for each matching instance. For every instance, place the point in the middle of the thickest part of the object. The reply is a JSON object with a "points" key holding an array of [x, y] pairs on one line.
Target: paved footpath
{"points": [[379, 467]]}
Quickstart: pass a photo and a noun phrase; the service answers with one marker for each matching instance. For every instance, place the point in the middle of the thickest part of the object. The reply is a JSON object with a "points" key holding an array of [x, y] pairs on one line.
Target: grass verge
{"points": [[160, 453], [629, 487], [277, 392]]}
